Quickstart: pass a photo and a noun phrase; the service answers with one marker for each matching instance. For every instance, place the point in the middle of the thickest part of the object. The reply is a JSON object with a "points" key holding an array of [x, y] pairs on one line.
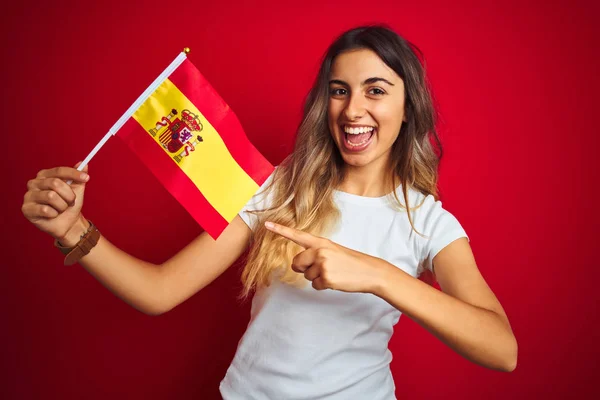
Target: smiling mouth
{"points": [[358, 138]]}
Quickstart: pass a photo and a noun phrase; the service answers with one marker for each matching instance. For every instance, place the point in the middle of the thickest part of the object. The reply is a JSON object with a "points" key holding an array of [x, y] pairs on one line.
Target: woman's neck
{"points": [[367, 181]]}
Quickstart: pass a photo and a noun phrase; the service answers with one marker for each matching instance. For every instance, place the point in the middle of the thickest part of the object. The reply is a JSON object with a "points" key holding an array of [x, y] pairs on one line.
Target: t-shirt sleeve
{"points": [[260, 201], [440, 228]]}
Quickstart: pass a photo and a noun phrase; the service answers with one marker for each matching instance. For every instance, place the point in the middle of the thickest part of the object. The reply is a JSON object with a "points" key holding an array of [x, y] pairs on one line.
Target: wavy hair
{"points": [[301, 191]]}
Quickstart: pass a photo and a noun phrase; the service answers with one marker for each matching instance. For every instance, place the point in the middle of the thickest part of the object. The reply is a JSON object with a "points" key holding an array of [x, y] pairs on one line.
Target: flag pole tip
{"points": [[186, 50]]}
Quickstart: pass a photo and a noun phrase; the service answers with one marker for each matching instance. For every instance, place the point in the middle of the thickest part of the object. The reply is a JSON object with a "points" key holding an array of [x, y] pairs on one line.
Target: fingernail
{"points": [[84, 176], [269, 224]]}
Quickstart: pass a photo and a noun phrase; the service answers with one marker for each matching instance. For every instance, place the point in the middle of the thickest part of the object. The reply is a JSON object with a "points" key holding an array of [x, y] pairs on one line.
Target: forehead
{"points": [[355, 66]]}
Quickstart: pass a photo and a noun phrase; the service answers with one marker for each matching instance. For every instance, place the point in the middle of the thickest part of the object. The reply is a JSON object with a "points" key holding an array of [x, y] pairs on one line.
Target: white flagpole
{"points": [[140, 100]]}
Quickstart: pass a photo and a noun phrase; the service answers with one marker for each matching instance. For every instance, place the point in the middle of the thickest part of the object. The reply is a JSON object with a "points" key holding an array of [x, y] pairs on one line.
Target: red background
{"points": [[516, 84]]}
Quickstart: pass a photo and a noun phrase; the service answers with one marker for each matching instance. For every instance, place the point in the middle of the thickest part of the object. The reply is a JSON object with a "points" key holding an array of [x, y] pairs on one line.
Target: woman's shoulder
{"points": [[427, 210], [417, 200]]}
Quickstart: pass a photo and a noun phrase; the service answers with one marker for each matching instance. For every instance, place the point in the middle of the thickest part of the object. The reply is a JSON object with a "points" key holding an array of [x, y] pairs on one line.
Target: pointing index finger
{"points": [[301, 238]]}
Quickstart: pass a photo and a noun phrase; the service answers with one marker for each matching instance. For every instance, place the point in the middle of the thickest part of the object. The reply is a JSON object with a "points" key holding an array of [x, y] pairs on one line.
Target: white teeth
{"points": [[357, 144], [356, 131]]}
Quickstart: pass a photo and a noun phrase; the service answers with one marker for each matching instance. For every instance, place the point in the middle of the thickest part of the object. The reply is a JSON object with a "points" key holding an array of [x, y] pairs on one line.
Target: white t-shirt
{"points": [[302, 343]]}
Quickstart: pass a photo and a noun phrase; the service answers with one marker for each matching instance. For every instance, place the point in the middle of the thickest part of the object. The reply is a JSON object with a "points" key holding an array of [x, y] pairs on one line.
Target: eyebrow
{"points": [[366, 82]]}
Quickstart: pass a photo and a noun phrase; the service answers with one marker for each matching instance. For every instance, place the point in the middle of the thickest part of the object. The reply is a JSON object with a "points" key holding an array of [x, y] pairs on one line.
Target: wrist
{"points": [[383, 277], [74, 235]]}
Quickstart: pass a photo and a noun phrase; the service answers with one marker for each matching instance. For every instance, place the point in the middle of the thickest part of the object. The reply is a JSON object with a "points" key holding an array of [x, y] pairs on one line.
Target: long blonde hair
{"points": [[302, 188]]}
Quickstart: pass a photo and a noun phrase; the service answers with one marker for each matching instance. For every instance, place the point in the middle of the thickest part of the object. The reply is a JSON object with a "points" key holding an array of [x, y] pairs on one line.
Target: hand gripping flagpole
{"points": [[140, 100]]}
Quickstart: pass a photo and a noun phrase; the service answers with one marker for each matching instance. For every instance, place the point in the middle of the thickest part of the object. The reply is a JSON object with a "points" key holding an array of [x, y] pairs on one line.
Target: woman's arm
{"points": [[466, 315], [155, 289]]}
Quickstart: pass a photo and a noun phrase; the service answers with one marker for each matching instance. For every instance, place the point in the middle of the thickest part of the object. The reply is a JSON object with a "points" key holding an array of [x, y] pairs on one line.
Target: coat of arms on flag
{"points": [[177, 133]]}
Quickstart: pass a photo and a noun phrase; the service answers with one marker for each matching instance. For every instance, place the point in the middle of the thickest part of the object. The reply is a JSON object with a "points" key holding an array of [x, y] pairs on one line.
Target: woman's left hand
{"points": [[331, 266]]}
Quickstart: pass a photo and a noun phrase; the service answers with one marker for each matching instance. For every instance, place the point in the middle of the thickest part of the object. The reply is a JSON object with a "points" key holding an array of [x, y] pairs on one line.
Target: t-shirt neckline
{"points": [[367, 201]]}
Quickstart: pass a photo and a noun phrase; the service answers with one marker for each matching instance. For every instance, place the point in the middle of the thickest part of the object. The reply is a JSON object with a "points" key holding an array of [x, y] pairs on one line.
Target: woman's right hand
{"points": [[54, 206]]}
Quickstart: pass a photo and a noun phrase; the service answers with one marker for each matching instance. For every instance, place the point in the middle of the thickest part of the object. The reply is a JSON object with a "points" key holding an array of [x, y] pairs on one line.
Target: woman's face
{"points": [[366, 107]]}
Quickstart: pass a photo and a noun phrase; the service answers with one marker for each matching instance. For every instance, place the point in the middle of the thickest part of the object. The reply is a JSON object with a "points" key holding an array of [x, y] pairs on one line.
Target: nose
{"points": [[355, 108]]}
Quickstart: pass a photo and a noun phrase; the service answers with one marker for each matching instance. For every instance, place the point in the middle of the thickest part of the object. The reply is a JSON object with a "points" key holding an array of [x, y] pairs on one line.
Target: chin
{"points": [[356, 160]]}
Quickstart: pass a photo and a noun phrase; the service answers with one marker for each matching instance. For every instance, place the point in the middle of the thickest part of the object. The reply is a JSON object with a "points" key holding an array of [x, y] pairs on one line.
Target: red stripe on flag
{"points": [[172, 177], [196, 88]]}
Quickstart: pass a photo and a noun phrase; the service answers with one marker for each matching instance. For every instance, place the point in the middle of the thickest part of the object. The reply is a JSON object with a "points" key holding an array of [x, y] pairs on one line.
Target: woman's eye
{"points": [[376, 91], [338, 92]]}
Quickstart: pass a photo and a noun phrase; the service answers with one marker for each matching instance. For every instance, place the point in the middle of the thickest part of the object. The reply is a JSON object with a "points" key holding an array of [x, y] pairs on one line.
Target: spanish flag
{"points": [[190, 139]]}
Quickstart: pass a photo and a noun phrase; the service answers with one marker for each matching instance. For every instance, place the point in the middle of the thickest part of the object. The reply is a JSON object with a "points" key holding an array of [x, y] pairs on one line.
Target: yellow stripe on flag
{"points": [[225, 185]]}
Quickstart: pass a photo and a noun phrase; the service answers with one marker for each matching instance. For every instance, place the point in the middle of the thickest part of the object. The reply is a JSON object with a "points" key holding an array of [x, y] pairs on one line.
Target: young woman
{"points": [[354, 210]]}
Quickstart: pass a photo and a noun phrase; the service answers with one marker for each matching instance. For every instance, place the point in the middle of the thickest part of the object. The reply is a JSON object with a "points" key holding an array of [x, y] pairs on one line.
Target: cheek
{"points": [[389, 128], [333, 114], [332, 109], [390, 122]]}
